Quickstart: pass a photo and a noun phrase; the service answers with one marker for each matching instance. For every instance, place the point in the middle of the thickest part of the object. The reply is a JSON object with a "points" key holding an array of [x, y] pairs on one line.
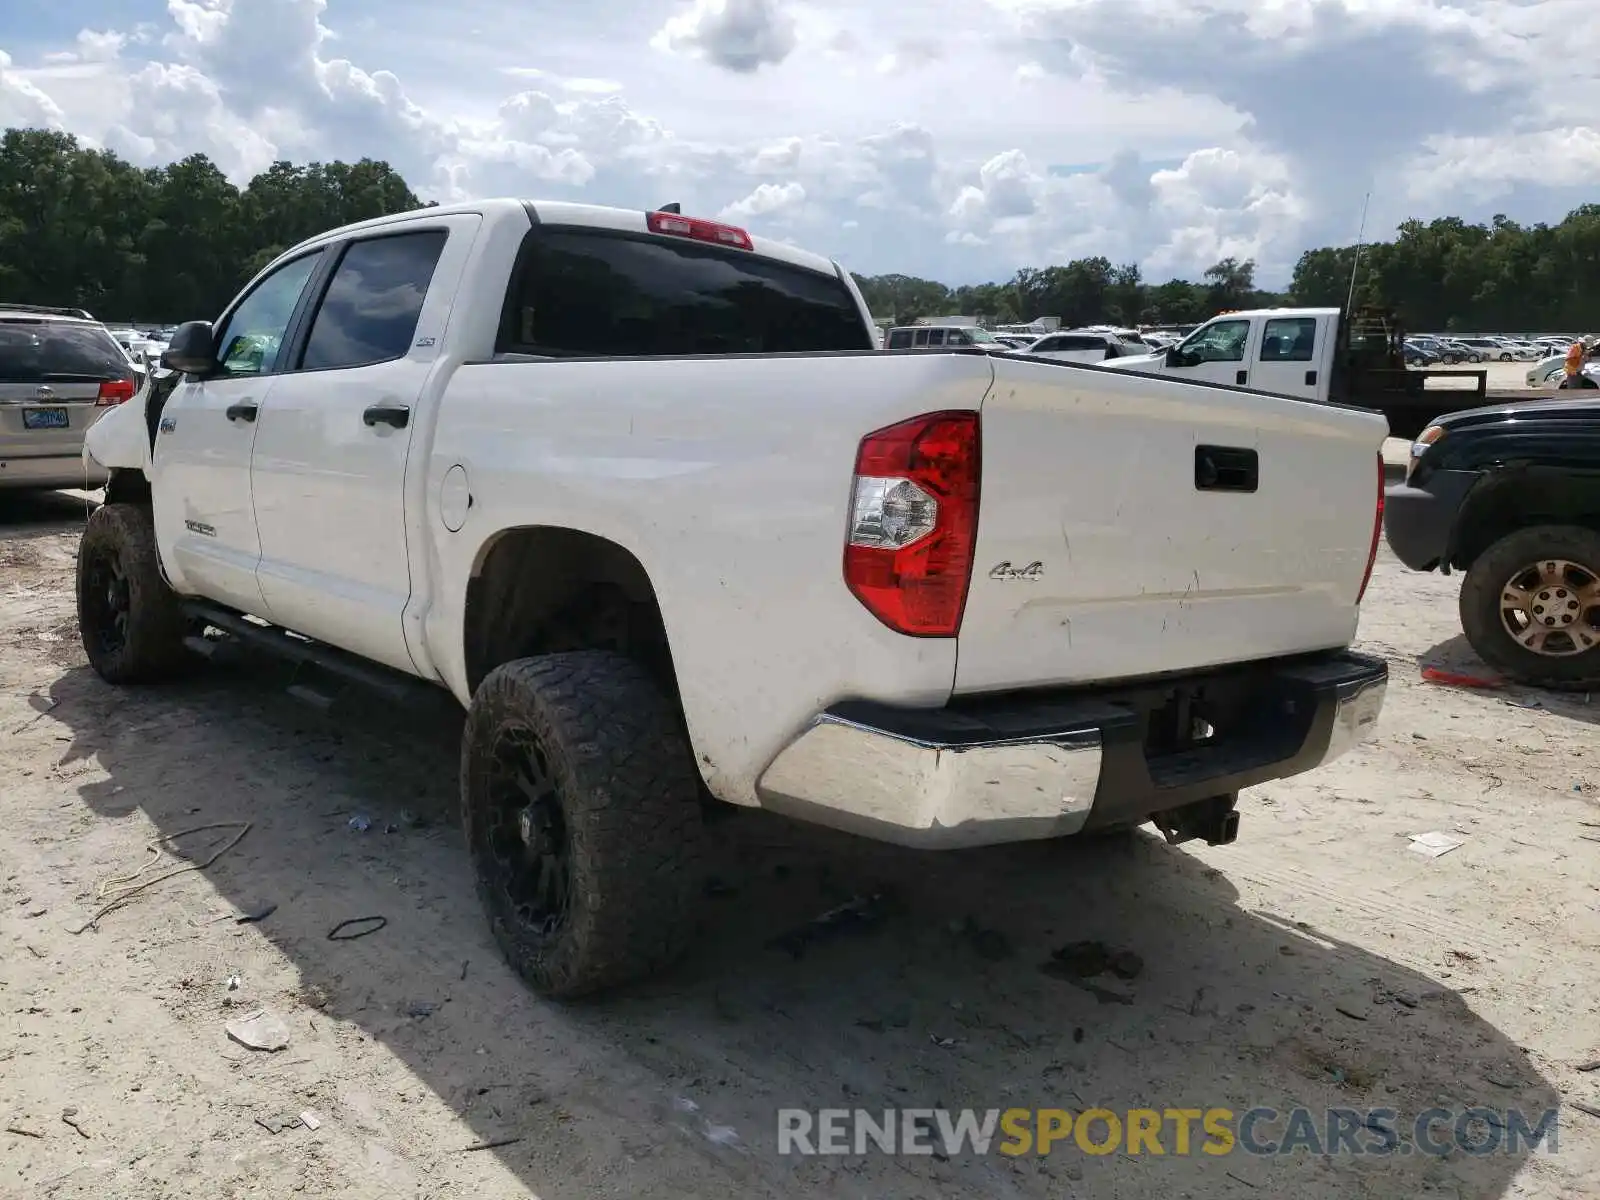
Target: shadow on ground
{"points": [[941, 1002], [25, 514], [1455, 656]]}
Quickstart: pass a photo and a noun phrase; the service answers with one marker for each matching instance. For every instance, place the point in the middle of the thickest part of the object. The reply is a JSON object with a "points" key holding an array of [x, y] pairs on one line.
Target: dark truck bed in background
{"points": [[1369, 371]]}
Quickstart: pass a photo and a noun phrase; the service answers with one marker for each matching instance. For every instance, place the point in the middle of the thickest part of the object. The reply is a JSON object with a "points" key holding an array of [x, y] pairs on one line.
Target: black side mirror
{"points": [[1176, 357], [192, 350]]}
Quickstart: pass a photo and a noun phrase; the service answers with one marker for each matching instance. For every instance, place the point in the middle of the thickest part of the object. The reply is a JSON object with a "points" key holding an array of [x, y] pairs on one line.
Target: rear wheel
{"points": [[580, 801], [130, 622], [1530, 606]]}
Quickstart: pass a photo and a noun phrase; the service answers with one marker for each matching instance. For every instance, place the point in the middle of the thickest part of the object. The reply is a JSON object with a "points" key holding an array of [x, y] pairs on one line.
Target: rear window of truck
{"points": [[579, 293], [33, 351]]}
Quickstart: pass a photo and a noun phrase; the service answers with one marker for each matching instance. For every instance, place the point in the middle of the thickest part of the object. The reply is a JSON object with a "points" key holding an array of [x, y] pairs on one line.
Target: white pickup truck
{"points": [[1319, 354], [637, 489]]}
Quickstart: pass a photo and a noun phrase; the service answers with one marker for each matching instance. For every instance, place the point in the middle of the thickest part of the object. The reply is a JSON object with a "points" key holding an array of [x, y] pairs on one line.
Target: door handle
{"points": [[1241, 377], [1311, 379], [245, 410], [395, 415]]}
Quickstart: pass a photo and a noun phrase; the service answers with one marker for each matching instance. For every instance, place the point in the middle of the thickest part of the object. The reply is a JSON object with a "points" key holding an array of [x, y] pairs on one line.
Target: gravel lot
{"points": [[1317, 962]]}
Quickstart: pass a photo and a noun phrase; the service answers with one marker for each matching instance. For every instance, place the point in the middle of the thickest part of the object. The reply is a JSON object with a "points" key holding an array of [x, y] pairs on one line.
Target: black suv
{"points": [[1511, 496]]}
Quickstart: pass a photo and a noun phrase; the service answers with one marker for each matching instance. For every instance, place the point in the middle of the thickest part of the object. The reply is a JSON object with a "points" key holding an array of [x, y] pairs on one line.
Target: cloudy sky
{"points": [[958, 139]]}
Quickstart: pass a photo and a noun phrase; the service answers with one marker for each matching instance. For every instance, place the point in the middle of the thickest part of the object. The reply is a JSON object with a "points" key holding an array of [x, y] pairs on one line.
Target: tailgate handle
{"points": [[1226, 469]]}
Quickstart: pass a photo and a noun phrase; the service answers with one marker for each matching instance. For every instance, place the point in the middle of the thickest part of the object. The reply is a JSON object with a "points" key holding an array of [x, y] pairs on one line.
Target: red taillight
{"points": [[698, 230], [1377, 532], [914, 522], [114, 391]]}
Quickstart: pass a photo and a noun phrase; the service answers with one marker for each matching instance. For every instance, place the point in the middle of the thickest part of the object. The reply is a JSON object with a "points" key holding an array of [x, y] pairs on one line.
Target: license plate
{"points": [[44, 418]]}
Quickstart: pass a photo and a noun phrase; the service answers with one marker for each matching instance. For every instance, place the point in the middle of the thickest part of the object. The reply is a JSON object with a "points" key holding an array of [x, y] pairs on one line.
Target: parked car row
{"points": [[1430, 348]]}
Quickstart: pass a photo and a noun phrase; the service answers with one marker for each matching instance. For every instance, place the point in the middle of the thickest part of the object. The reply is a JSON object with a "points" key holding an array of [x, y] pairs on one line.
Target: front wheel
{"points": [[581, 807], [1530, 606], [1507, 358], [130, 622]]}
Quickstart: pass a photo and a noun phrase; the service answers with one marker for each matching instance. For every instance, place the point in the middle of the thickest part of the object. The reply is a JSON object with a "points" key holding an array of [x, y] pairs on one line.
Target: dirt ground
{"points": [[1317, 962]]}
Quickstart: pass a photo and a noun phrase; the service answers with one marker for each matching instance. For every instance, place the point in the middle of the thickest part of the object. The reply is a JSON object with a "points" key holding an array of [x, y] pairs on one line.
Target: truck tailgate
{"points": [[1121, 534]]}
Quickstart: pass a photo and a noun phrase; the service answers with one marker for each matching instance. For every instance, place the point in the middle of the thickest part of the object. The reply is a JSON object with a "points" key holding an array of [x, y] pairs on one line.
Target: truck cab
{"points": [[1287, 351]]}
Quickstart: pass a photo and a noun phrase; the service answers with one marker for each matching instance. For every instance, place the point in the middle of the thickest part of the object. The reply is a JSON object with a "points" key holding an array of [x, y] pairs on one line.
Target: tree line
{"points": [[1446, 275], [81, 226]]}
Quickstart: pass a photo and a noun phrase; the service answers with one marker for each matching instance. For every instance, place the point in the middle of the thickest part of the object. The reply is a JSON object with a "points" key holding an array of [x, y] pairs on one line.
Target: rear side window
{"points": [[369, 313], [900, 339], [1080, 343], [582, 294], [1289, 339], [34, 351]]}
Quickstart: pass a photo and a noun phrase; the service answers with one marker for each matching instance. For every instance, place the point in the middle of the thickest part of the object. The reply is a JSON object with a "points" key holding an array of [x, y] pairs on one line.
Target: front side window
{"points": [[1221, 341], [370, 312], [1289, 339], [935, 337], [586, 294], [255, 329]]}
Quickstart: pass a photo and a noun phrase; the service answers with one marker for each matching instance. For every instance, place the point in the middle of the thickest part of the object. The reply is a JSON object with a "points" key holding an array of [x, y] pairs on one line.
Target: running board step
{"points": [[393, 685]]}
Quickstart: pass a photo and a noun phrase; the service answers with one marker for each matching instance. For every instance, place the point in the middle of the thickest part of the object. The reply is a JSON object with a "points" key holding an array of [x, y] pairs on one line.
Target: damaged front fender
{"points": [[120, 440]]}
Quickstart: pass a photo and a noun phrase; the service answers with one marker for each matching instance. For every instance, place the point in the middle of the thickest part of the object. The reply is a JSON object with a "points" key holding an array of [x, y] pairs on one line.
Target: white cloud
{"points": [[980, 138], [739, 35], [23, 102], [768, 200]]}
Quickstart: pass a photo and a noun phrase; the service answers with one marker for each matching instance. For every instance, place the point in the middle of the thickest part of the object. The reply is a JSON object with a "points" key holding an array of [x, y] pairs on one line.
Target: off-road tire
{"points": [[629, 798], [1480, 605], [147, 644]]}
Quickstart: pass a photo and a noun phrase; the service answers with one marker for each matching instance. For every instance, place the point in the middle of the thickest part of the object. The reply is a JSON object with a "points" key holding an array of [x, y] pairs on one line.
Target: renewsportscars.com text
{"points": [[1174, 1131]]}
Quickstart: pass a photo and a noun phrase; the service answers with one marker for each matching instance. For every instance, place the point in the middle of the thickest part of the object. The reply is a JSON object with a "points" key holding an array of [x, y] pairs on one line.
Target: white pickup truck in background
{"points": [[1321, 354], [637, 489], [1287, 351]]}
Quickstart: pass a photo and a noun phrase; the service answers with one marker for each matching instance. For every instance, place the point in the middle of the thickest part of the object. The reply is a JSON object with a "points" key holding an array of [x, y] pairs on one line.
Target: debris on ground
{"points": [[1088, 959], [260, 913], [1079, 963], [360, 823], [991, 945], [491, 1145], [310, 1120], [278, 1124], [69, 1116], [1433, 843], [352, 928], [260, 1030], [1460, 678], [898, 1017], [855, 915]]}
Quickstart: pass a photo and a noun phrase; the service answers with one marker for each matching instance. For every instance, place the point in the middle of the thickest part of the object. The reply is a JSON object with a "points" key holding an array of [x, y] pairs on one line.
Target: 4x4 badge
{"points": [[1032, 573]]}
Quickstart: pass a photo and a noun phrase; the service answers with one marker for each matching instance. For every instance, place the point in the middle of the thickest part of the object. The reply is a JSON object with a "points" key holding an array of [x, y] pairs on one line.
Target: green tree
{"points": [[82, 227]]}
